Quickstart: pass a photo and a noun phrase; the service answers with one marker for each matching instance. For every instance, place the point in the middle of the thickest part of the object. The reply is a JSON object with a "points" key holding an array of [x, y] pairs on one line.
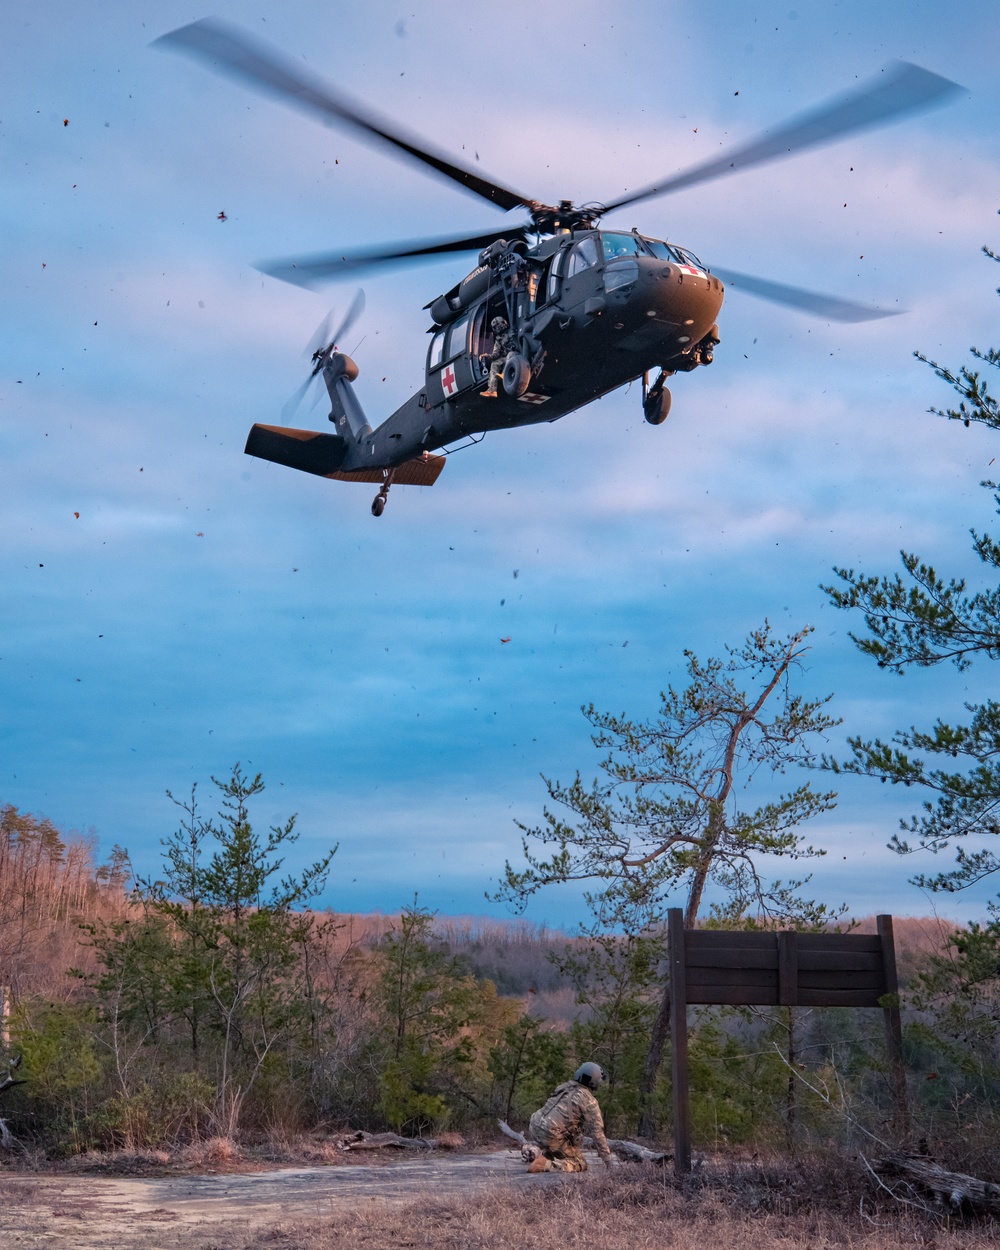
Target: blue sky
{"points": [[206, 608]]}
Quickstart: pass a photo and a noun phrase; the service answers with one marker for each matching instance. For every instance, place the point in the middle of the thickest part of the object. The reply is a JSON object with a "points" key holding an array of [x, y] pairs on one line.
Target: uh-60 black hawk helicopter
{"points": [[587, 310]]}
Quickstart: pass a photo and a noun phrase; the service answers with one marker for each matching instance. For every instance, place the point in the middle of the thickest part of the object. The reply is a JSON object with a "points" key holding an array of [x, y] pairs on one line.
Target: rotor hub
{"points": [[562, 219]]}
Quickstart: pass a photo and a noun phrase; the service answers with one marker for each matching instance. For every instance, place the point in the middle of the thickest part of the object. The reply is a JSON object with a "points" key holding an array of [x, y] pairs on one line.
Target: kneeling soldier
{"points": [[571, 1114]]}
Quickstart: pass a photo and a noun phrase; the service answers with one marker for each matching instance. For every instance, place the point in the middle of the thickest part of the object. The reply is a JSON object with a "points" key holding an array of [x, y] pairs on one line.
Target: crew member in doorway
{"points": [[503, 345]]}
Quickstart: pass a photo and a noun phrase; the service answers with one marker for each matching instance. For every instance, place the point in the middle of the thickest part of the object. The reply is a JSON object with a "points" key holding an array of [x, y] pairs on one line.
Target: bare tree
{"points": [[665, 817]]}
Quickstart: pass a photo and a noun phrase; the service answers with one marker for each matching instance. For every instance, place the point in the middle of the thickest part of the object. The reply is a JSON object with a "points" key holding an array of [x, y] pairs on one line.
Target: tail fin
{"points": [[345, 410], [307, 450]]}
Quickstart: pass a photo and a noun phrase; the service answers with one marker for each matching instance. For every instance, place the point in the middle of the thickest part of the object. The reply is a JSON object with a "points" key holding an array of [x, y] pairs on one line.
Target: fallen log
{"points": [[954, 1188], [630, 1151], [390, 1141], [634, 1153], [512, 1133]]}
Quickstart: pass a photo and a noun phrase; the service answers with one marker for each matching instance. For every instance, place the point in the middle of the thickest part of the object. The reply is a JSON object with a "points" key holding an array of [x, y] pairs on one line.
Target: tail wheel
{"points": [[378, 504], [516, 375]]}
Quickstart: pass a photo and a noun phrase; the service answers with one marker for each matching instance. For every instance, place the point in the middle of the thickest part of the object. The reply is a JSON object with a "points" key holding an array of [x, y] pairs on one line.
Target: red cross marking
{"points": [[448, 380]]}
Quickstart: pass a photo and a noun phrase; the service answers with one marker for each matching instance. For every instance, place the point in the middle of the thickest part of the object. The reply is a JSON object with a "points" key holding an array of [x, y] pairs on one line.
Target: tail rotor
{"points": [[321, 347]]}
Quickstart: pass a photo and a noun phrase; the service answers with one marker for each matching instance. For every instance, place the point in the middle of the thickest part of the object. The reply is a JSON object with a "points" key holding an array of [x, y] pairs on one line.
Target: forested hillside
{"points": [[217, 1002], [49, 883]]}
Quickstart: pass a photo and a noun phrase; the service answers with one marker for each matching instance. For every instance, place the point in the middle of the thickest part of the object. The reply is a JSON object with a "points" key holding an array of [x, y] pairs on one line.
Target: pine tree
{"points": [[218, 948], [918, 619], [666, 818]]}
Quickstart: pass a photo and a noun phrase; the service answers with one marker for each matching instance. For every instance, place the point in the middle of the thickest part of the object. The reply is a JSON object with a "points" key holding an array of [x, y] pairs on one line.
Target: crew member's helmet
{"points": [[498, 324], [589, 1074]]}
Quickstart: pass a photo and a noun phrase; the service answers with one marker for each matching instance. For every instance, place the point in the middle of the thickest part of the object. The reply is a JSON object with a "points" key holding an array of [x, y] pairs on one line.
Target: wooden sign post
{"points": [[679, 1041], [771, 969]]}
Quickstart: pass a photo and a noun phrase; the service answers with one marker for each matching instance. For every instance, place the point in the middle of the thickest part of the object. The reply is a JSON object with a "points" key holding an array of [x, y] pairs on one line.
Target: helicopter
{"points": [[558, 310]]}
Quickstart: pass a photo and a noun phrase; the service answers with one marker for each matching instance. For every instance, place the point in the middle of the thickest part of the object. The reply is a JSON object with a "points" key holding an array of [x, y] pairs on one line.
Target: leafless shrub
{"points": [[213, 1152], [119, 1162]]}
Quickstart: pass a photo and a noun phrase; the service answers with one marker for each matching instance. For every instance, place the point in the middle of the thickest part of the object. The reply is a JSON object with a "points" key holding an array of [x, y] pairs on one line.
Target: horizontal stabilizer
{"points": [[307, 450], [420, 471], [323, 454]]}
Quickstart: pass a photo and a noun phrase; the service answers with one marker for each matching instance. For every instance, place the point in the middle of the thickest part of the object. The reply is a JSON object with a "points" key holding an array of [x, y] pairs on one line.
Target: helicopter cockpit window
{"points": [[458, 337], [679, 255], [437, 346], [621, 245], [661, 250], [554, 272], [583, 256], [689, 258]]}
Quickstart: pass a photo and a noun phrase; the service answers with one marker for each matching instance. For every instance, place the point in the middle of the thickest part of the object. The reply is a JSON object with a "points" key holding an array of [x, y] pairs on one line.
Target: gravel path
{"points": [[164, 1213]]}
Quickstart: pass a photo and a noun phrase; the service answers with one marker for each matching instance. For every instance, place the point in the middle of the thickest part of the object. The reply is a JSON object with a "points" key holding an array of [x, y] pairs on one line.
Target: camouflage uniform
{"points": [[503, 345], [571, 1114]]}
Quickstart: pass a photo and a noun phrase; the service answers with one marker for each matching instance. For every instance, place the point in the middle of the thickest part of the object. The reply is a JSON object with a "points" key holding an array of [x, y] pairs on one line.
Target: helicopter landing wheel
{"points": [[378, 504], [656, 409], [516, 375]]}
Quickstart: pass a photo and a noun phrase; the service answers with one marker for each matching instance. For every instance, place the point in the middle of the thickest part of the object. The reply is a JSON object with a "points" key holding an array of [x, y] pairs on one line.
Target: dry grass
{"points": [[215, 1154], [816, 1206], [745, 1209]]}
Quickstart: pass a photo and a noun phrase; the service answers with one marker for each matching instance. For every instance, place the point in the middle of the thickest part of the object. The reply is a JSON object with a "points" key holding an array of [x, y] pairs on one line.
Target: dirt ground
{"points": [[84, 1212], [473, 1201]]}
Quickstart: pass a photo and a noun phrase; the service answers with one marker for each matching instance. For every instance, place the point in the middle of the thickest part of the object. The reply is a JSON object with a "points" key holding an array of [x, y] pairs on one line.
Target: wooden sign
{"points": [[777, 969]]}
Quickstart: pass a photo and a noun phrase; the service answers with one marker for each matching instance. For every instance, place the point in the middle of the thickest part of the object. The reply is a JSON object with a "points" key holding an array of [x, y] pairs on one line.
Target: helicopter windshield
{"points": [[669, 251], [621, 245]]}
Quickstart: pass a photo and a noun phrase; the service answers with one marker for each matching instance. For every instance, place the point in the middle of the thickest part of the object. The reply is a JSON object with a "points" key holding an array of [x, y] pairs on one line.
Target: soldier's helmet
{"points": [[498, 324], [589, 1074]]}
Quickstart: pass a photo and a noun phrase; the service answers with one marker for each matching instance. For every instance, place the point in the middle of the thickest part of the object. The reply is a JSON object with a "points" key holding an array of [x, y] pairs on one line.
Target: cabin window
{"points": [[458, 337], [437, 346], [534, 281], [583, 256]]}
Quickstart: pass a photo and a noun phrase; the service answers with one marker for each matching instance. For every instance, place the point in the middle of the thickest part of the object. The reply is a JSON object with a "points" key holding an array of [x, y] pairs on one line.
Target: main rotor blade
{"points": [[309, 270], [829, 307], [905, 89], [228, 48]]}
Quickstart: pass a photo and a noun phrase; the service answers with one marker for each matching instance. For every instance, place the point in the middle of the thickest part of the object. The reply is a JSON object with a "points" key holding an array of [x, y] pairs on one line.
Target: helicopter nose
{"points": [[687, 298]]}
